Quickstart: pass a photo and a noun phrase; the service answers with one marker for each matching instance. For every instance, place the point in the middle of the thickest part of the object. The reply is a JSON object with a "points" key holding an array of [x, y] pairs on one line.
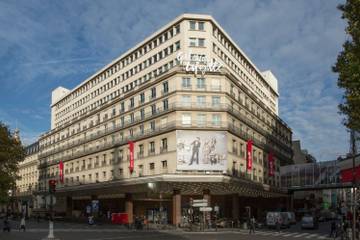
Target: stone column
{"points": [[176, 208], [235, 207], [129, 207]]}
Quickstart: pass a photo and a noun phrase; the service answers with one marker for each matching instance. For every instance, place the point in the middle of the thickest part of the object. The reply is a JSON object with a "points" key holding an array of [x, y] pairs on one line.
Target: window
{"points": [[200, 83], [201, 101], [192, 25], [153, 109], [152, 147], [201, 119], [132, 102], [132, 118], [142, 97], [165, 87], [142, 114], [122, 107], [186, 119], [166, 104], [152, 125], [186, 82], [201, 42], [177, 45], [164, 164], [152, 166], [216, 119], [141, 129], [192, 42], [186, 100], [201, 26], [164, 145], [153, 92], [215, 101]]}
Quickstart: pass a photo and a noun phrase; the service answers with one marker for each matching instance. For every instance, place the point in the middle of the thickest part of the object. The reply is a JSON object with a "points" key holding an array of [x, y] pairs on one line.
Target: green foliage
{"points": [[348, 65], [11, 153]]}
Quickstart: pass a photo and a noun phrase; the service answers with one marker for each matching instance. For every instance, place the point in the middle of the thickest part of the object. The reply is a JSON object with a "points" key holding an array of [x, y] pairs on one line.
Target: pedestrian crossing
{"points": [[296, 235]]}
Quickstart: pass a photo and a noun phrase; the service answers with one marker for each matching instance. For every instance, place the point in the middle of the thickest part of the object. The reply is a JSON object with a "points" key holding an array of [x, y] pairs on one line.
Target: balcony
{"points": [[151, 152], [163, 149]]}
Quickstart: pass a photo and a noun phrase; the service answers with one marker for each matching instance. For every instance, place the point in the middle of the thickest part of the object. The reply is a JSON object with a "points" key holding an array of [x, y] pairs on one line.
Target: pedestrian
{"points": [[278, 224], [22, 224], [252, 225], [91, 220], [333, 229], [7, 226]]}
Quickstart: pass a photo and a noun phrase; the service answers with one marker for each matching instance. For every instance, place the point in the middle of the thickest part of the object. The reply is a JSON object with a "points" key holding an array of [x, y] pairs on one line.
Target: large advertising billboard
{"points": [[201, 150]]}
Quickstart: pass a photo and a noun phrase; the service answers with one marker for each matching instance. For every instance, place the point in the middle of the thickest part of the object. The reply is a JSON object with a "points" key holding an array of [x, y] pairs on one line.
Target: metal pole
{"points": [[353, 183]]}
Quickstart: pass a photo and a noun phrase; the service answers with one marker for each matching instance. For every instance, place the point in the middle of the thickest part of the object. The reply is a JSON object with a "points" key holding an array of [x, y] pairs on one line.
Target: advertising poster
{"points": [[201, 150]]}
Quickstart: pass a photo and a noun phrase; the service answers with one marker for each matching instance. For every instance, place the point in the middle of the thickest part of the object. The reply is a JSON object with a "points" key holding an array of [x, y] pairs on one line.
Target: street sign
{"points": [[205, 209], [201, 204], [200, 201]]}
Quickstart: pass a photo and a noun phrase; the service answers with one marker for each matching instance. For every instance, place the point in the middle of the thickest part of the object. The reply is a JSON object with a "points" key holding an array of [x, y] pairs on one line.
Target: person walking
{"points": [[333, 229], [252, 225], [22, 224], [278, 224], [6, 226]]}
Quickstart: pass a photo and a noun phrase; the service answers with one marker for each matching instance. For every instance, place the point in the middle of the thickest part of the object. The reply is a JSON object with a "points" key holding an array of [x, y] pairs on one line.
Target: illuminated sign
{"points": [[198, 63]]}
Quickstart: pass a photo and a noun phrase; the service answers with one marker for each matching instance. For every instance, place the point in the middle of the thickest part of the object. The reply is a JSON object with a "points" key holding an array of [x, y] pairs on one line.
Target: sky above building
{"points": [[46, 44]]}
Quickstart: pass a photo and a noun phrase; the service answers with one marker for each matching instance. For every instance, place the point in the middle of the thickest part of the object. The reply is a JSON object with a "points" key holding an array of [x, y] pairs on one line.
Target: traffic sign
{"points": [[201, 204], [205, 209]]}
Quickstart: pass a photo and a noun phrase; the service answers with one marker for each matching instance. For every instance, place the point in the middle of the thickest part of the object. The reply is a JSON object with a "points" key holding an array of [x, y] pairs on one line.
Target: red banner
{"points": [[271, 164], [61, 171], [249, 154], [131, 149]]}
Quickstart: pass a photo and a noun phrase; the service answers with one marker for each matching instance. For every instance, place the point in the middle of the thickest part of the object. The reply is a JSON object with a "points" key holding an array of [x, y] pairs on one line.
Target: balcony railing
{"points": [[171, 107]]}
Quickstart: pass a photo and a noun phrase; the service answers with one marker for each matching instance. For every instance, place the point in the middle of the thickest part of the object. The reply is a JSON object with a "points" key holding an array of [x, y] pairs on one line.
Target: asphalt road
{"points": [[79, 231]]}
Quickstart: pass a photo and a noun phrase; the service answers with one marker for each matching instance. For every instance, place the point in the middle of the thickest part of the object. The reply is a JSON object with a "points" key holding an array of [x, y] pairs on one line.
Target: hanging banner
{"points": [[249, 154], [61, 171], [271, 164], [131, 149]]}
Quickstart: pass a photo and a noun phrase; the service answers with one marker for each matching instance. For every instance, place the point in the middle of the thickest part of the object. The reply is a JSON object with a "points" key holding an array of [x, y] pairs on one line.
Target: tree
{"points": [[348, 65], [11, 153]]}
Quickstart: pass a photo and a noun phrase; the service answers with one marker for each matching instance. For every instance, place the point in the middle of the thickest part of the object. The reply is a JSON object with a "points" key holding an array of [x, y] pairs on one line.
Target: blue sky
{"points": [[45, 44]]}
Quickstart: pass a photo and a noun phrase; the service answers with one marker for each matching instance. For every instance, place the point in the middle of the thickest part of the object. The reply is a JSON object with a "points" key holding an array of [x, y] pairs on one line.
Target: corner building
{"points": [[189, 99]]}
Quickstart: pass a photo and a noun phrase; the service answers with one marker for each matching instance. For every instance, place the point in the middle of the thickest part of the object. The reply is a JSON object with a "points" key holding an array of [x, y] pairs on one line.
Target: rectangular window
{"points": [[215, 100], [201, 42], [201, 101], [216, 119], [122, 107], [186, 82], [152, 147], [153, 92], [152, 166], [165, 87], [166, 104], [201, 26], [200, 83], [186, 100], [141, 129], [201, 119], [152, 125], [142, 97], [142, 114], [177, 45], [192, 25], [186, 119], [153, 109], [192, 42]]}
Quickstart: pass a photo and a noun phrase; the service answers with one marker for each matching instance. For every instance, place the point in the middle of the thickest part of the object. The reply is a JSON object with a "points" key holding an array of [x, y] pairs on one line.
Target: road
{"points": [[77, 231]]}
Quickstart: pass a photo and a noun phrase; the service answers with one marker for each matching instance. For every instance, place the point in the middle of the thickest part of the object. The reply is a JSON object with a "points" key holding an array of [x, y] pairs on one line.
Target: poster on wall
{"points": [[201, 150]]}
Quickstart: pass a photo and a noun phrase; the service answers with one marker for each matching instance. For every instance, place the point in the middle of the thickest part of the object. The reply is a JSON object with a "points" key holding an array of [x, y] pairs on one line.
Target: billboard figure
{"points": [[195, 151]]}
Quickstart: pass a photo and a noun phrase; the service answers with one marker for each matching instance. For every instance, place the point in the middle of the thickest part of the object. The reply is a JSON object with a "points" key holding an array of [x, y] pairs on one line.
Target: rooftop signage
{"points": [[198, 63]]}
